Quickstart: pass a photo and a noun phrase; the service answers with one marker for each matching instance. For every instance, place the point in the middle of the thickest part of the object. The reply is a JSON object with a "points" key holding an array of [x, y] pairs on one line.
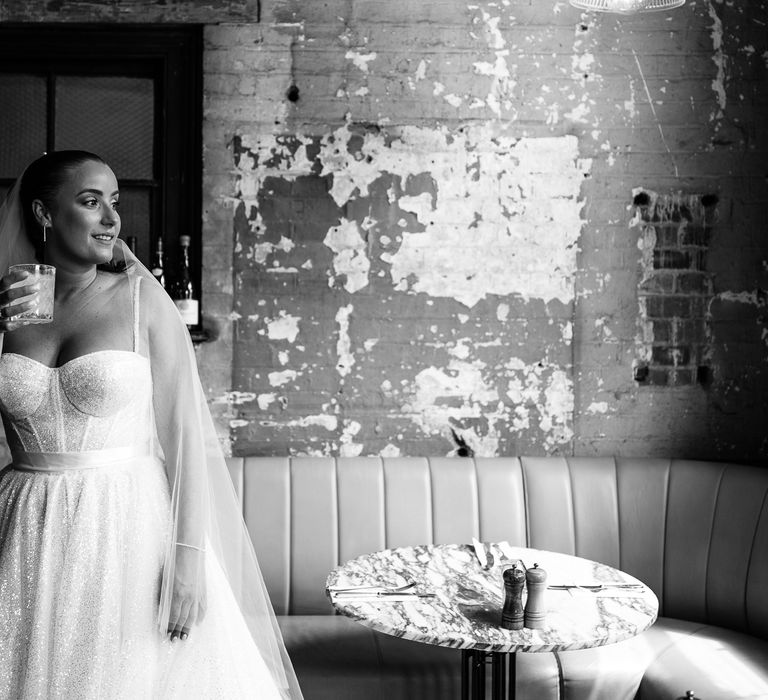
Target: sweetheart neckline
{"points": [[74, 359]]}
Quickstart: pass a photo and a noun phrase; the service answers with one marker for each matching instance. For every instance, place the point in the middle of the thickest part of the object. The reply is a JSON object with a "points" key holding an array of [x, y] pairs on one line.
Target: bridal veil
{"points": [[206, 514]]}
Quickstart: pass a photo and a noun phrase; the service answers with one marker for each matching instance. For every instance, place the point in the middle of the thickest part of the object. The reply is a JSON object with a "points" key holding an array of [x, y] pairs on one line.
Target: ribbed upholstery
{"points": [[696, 532], [501, 500], [407, 501], [642, 485], [691, 502], [362, 519], [547, 480]]}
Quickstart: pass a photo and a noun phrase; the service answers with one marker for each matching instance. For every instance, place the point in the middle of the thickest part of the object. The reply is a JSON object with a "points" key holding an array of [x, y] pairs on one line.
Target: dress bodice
{"points": [[93, 402]]}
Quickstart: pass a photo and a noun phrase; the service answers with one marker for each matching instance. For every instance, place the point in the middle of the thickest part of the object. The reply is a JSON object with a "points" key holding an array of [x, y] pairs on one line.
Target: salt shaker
{"points": [[512, 614], [535, 611]]}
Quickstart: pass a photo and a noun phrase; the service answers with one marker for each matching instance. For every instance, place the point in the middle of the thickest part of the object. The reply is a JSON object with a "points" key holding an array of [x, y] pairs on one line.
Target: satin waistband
{"points": [[89, 459]]}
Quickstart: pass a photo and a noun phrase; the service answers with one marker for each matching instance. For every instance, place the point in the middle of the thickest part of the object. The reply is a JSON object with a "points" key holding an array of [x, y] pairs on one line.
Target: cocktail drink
{"points": [[45, 276]]}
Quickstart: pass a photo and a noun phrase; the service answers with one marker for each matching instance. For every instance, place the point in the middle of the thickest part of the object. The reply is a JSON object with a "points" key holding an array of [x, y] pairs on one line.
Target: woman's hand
{"points": [[10, 306], [188, 599]]}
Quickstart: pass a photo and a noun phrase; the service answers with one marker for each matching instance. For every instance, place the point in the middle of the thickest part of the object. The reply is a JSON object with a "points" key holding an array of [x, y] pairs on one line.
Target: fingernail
{"points": [[183, 636]]}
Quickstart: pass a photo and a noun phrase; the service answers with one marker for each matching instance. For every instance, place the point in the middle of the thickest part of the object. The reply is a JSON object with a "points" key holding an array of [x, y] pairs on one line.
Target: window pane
{"points": [[110, 116], [22, 122], [134, 218]]}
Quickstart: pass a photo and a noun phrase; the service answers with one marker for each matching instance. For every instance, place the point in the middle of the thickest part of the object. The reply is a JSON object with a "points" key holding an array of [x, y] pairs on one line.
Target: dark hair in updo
{"points": [[42, 180]]}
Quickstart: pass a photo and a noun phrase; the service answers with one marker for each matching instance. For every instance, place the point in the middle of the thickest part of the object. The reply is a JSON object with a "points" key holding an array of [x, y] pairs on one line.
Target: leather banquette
{"points": [[695, 532]]}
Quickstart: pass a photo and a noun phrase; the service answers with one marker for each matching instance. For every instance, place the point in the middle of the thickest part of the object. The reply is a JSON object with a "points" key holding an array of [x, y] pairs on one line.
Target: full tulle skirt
{"points": [[81, 556]]}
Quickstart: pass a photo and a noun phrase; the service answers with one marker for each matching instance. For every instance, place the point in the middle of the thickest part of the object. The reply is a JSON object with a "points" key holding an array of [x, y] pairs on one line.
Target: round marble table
{"points": [[456, 602]]}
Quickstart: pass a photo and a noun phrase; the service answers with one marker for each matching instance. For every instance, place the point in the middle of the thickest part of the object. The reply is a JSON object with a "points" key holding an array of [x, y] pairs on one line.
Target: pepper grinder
{"points": [[536, 581], [512, 614]]}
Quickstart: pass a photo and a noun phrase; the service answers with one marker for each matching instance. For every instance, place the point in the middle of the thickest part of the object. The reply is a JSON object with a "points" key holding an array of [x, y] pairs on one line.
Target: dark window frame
{"points": [[172, 56]]}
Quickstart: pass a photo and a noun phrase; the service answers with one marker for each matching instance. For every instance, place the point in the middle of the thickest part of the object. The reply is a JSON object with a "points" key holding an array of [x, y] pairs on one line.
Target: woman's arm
{"points": [[177, 407]]}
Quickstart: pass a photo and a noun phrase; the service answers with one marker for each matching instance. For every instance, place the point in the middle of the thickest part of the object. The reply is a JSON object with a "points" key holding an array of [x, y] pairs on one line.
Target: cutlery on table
{"points": [[383, 594], [592, 586], [373, 589]]}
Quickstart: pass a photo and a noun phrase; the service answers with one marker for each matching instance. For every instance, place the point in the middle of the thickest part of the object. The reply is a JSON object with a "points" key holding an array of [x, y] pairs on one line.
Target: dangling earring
{"points": [[45, 229]]}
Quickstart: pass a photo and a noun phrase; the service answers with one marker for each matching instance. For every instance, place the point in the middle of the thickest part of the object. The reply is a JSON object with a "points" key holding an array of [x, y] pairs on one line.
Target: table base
{"points": [[474, 663]]}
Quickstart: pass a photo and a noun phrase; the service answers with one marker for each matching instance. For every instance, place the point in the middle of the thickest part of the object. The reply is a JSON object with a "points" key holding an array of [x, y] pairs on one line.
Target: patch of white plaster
{"points": [[458, 391], [360, 60], [344, 343], [502, 312], [265, 400], [552, 114], [462, 349], [581, 64], [598, 407], [542, 391], [350, 257], [321, 420], [347, 447], [283, 377], [390, 450], [285, 327], [579, 113], [752, 298], [524, 215]]}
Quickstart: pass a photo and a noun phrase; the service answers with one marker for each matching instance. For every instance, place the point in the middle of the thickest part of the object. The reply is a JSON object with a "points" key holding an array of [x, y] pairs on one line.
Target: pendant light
{"points": [[627, 7]]}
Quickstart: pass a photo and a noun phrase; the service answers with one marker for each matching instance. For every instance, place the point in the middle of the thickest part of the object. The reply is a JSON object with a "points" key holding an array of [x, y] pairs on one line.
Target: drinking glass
{"points": [[45, 275]]}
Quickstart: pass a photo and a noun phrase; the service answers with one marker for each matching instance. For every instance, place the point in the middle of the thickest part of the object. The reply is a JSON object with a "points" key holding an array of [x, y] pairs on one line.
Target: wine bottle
{"points": [[184, 295], [157, 263]]}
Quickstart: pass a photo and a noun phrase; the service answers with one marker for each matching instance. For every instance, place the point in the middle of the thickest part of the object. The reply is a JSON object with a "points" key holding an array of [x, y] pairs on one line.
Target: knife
{"points": [[592, 586], [382, 594]]}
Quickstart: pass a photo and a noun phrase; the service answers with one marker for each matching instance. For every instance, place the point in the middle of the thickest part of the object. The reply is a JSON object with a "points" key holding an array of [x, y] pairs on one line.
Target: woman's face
{"points": [[84, 218]]}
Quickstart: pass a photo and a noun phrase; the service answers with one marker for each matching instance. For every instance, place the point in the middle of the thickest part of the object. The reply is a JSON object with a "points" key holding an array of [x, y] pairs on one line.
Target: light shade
{"points": [[626, 7]]}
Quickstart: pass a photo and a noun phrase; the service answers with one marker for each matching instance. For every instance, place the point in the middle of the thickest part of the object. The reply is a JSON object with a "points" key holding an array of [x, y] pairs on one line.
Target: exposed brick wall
{"points": [[394, 246], [675, 290]]}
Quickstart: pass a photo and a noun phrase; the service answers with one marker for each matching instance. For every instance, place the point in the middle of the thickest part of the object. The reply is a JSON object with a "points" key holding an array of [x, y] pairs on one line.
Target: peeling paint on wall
{"points": [[513, 202], [450, 248], [718, 83], [517, 198]]}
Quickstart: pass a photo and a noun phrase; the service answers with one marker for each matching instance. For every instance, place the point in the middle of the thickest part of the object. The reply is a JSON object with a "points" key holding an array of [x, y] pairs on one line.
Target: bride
{"points": [[125, 567]]}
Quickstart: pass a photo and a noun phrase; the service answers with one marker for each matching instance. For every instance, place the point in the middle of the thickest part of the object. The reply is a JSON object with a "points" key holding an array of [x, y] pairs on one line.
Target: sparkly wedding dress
{"points": [[84, 523]]}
